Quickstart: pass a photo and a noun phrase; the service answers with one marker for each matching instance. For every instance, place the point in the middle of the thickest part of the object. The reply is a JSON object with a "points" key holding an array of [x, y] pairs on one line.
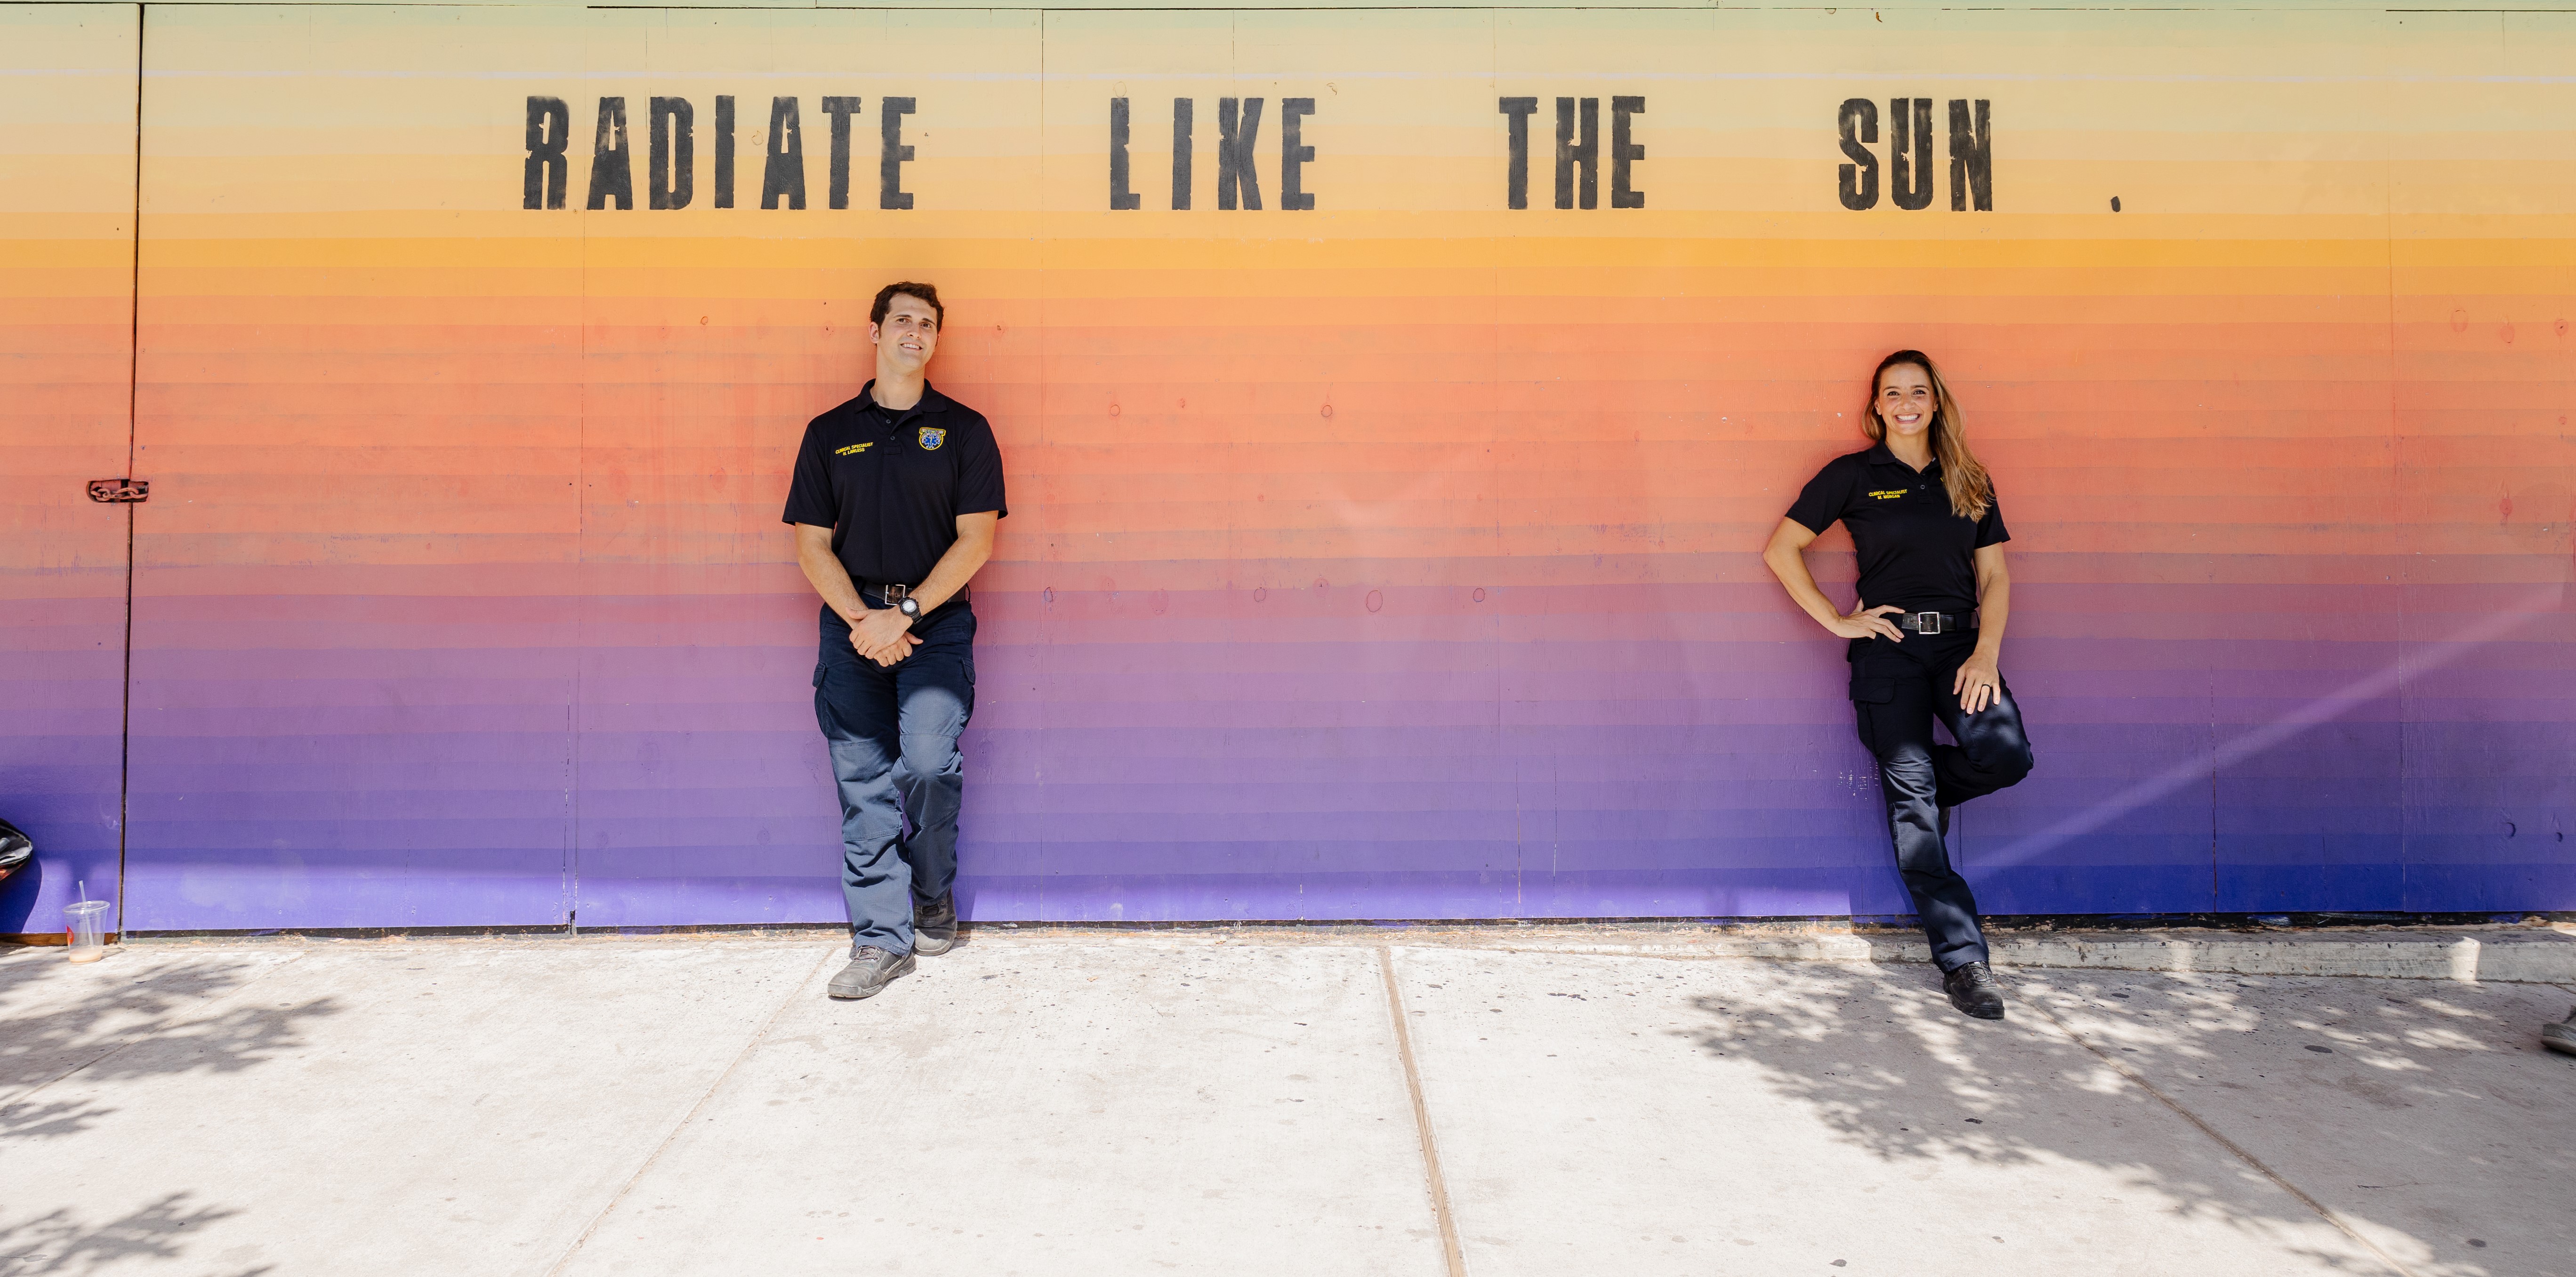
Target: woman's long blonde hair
{"points": [[1972, 490]]}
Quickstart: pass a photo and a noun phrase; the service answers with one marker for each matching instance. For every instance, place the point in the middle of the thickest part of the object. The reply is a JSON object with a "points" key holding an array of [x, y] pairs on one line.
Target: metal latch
{"points": [[120, 490]]}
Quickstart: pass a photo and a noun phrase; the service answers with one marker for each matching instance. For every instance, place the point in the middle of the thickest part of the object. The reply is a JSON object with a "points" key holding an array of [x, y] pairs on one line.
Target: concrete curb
{"points": [[2504, 953], [2537, 956]]}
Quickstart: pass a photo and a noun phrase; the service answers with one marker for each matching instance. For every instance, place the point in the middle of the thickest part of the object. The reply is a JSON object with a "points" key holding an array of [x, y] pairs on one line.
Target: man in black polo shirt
{"points": [[895, 500]]}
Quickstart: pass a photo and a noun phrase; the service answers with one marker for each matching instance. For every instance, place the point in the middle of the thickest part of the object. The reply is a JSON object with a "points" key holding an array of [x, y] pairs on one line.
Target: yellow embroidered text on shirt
{"points": [[1889, 495], [856, 447]]}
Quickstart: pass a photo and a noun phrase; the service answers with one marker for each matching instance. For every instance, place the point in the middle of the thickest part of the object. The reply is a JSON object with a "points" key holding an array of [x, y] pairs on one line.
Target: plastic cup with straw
{"points": [[82, 936]]}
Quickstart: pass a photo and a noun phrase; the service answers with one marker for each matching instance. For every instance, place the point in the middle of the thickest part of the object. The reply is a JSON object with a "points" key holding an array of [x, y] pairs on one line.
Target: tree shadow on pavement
{"points": [[60, 1242], [167, 1019], [1880, 1059]]}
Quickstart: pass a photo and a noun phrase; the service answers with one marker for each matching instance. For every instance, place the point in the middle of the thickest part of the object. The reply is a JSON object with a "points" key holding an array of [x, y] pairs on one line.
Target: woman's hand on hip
{"points": [[1868, 622], [1978, 684]]}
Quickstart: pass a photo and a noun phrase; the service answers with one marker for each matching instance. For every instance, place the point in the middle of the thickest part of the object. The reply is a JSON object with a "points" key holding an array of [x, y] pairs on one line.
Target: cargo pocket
{"points": [[1867, 695]]}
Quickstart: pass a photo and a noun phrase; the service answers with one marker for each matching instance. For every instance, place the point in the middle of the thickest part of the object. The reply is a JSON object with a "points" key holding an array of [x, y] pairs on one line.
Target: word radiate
{"points": [[670, 151]]}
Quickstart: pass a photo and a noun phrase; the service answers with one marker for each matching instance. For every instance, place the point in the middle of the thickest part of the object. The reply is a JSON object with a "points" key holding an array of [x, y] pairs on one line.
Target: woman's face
{"points": [[1905, 400]]}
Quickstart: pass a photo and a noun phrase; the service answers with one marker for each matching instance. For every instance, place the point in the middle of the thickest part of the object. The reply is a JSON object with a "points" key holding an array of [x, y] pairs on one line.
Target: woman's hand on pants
{"points": [[1978, 683]]}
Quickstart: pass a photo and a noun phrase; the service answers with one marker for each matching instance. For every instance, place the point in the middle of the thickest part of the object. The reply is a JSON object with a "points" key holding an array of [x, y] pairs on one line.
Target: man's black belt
{"points": [[1935, 622], [888, 594]]}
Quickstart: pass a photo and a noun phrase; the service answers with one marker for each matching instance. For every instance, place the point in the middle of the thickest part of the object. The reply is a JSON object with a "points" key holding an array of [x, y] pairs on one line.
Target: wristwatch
{"points": [[910, 607]]}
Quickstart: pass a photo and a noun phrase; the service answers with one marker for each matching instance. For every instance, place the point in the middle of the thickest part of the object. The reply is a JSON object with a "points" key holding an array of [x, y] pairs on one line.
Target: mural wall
{"points": [[1395, 404], [67, 81]]}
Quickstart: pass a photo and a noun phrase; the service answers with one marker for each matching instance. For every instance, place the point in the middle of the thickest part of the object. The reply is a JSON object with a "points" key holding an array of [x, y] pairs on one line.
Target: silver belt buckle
{"points": [[896, 594], [1927, 622]]}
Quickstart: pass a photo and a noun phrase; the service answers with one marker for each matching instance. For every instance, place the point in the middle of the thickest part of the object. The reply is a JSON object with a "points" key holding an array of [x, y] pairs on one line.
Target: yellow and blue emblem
{"points": [[931, 437]]}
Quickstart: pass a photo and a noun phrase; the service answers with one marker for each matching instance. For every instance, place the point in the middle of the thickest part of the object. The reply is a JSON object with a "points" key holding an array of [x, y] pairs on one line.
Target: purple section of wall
{"points": [[1392, 781], [411, 779], [61, 763]]}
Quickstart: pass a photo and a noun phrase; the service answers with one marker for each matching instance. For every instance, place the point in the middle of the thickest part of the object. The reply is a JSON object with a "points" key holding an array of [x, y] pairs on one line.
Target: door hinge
{"points": [[120, 490]]}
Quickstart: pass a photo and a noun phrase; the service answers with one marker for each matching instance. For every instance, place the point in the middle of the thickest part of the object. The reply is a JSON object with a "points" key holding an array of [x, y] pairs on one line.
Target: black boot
{"points": [[1974, 990], [934, 926]]}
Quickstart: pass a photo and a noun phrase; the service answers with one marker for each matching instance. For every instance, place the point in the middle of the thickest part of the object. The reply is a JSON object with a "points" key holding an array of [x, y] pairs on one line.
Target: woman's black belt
{"points": [[1935, 622]]}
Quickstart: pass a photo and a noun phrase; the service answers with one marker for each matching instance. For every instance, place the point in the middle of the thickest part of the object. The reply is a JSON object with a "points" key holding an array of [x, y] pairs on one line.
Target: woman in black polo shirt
{"points": [[1930, 537]]}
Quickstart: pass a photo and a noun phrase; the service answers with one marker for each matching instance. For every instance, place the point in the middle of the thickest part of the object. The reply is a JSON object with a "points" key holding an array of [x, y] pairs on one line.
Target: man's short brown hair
{"points": [[928, 295]]}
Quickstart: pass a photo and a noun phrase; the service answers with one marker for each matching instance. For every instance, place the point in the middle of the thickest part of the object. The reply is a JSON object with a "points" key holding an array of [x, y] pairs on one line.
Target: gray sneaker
{"points": [[871, 969], [934, 926], [2562, 1035]]}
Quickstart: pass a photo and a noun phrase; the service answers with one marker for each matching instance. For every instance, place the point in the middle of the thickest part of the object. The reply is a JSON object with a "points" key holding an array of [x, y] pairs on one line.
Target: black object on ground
{"points": [[17, 850], [2562, 1035]]}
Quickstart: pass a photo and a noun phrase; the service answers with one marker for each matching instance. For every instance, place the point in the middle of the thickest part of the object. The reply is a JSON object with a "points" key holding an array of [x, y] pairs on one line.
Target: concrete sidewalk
{"points": [[1259, 1102]]}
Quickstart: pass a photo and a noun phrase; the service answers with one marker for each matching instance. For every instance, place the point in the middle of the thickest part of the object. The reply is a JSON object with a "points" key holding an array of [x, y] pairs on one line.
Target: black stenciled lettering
{"points": [[1571, 152], [1238, 127], [1182, 110], [1858, 120], [549, 128], [612, 173], [724, 151], [1294, 155], [1909, 152], [1624, 152], [840, 109], [671, 150], [784, 172], [1972, 157], [1120, 198], [1516, 174], [890, 192]]}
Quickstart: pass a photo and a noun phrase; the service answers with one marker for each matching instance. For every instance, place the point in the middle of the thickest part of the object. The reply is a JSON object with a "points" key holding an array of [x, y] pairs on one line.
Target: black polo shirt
{"points": [[891, 484], [1913, 551]]}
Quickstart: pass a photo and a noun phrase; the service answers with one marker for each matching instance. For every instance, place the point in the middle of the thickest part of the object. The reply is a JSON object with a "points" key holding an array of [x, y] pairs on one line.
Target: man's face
{"points": [[909, 333]]}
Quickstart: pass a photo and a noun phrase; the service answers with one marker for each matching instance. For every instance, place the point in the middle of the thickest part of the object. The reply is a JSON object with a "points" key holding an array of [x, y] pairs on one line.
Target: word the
{"points": [[1578, 152]]}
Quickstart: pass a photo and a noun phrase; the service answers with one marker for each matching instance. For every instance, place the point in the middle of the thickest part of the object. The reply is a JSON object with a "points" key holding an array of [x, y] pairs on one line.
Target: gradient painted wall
{"points": [[1393, 558], [67, 131]]}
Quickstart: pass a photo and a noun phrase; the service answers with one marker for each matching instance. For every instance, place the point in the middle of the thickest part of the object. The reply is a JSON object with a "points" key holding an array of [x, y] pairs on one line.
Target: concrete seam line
{"points": [[1449, 1252], [794, 987], [203, 1010], [2137, 1079]]}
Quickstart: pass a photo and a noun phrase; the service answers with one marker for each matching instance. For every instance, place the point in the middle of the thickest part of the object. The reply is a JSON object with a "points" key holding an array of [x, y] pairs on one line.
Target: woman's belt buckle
{"points": [[1925, 622]]}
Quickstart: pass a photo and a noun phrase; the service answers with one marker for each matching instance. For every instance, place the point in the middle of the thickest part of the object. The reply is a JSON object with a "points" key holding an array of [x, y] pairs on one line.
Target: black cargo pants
{"points": [[1897, 690]]}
